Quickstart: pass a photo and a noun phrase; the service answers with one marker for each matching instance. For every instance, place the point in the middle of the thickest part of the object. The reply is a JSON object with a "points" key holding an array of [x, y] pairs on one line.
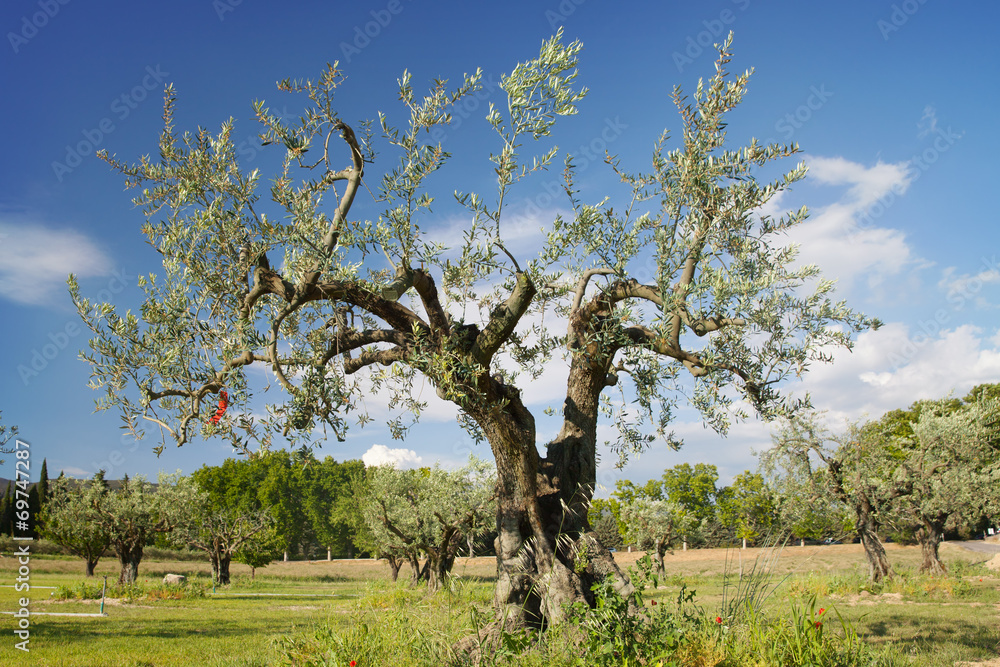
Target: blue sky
{"points": [[893, 104]]}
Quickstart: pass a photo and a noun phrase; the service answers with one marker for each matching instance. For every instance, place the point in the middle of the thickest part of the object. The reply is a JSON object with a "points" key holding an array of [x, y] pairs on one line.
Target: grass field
{"points": [[925, 621]]}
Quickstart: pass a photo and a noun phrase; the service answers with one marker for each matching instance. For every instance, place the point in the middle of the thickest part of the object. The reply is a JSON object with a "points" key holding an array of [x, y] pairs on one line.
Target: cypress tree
{"points": [[43, 483], [6, 513]]}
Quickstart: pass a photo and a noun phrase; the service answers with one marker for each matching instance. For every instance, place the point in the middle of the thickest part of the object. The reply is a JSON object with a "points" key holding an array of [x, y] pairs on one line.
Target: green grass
{"points": [[914, 620]]}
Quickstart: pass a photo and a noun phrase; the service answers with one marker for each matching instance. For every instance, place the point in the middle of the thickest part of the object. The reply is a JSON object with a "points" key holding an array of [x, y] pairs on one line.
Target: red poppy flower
{"points": [[653, 602], [718, 619], [352, 663], [818, 624], [821, 610]]}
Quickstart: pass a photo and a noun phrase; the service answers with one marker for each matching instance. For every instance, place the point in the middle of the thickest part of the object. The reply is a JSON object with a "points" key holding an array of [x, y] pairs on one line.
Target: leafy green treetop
{"points": [[70, 519], [428, 511]]}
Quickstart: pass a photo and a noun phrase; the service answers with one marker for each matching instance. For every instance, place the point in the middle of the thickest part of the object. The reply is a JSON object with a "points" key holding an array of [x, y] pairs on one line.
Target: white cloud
{"points": [[867, 184], [961, 288], [380, 455], [35, 260], [928, 122], [77, 472], [842, 240]]}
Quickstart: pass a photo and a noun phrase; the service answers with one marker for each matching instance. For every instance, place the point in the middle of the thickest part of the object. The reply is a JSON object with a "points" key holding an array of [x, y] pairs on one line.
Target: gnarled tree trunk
{"points": [[129, 555], [220, 567], [91, 564], [878, 563], [547, 556], [394, 565], [930, 535]]}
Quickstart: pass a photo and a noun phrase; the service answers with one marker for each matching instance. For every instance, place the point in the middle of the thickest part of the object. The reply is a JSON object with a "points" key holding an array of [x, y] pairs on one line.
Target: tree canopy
{"points": [[681, 287]]}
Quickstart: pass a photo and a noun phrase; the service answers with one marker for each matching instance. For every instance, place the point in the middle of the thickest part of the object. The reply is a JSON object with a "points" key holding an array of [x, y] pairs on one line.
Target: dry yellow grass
{"points": [[706, 562]]}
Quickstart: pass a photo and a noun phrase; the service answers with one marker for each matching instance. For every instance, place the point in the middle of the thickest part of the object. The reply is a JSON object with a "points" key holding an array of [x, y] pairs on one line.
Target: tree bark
{"points": [[129, 556], [224, 562], [91, 564], [929, 536], [547, 556], [394, 565], [661, 551], [441, 560], [417, 573], [878, 563]]}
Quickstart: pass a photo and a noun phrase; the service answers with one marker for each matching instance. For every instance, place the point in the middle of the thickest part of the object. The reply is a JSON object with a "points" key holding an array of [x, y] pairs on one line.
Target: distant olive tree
{"points": [[220, 531], [947, 452], [855, 468], [71, 519], [429, 513]]}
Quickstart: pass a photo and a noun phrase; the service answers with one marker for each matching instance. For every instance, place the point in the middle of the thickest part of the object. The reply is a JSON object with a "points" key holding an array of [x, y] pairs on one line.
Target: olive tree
{"points": [[70, 518], [950, 458], [856, 468], [684, 289], [427, 512], [133, 513], [218, 529], [656, 524]]}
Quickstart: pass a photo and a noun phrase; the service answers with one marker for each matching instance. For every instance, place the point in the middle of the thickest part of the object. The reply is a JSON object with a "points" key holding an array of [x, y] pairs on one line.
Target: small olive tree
{"points": [[71, 520], [219, 531], [855, 468], [656, 524], [133, 513], [950, 458], [428, 512]]}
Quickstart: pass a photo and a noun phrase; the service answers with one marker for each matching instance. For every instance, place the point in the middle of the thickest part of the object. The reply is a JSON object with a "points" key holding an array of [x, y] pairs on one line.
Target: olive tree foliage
{"points": [[806, 510], [7, 433], [657, 525], [429, 513], [684, 279], [218, 529], [70, 518], [857, 467], [950, 456]]}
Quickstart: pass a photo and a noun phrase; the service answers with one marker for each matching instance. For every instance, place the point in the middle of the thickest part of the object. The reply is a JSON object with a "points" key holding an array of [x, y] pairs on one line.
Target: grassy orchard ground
{"points": [[929, 622]]}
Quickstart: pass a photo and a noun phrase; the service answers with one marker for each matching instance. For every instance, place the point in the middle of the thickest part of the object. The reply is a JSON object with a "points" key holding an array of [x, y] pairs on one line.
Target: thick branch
{"points": [[369, 357], [581, 286], [353, 176], [346, 341], [424, 284], [503, 320], [397, 288]]}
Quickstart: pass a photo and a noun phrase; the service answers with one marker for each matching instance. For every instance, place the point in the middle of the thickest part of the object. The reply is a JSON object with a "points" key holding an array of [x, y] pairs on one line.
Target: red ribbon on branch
{"points": [[223, 404]]}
